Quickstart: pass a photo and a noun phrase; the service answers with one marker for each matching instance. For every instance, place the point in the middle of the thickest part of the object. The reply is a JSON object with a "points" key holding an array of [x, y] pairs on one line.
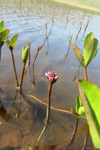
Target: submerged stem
{"points": [[41, 134], [48, 102], [85, 74], [14, 69], [74, 134], [13, 101]]}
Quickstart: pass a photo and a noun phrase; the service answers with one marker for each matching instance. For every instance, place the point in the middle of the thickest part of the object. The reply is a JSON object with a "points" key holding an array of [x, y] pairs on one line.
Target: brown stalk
{"points": [[49, 102], [74, 134], [85, 73], [14, 69], [21, 79]]}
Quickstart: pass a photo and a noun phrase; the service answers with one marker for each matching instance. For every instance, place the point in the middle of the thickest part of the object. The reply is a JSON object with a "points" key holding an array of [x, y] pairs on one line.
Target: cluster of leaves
{"points": [[89, 92], [11, 44], [90, 50]]}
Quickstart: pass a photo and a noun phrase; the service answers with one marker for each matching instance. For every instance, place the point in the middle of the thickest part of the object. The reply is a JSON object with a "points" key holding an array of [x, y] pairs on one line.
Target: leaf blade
{"points": [[91, 108], [78, 53], [90, 50]]}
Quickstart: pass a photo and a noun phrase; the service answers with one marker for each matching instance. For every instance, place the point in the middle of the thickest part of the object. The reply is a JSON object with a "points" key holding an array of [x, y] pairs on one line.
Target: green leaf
{"points": [[4, 34], [81, 111], [90, 96], [1, 44], [70, 38], [76, 115], [29, 44], [88, 37], [78, 53], [90, 50], [2, 26], [78, 104], [12, 42], [25, 52]]}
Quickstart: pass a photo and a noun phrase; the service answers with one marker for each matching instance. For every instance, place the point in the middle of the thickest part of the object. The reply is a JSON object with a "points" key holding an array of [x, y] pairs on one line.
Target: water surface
{"points": [[22, 120]]}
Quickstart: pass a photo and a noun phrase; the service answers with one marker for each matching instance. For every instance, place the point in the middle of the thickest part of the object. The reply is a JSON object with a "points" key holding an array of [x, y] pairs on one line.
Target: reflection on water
{"points": [[22, 117]]}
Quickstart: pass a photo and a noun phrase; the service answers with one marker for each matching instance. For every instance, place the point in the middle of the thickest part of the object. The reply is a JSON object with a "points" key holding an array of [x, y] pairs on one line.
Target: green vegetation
{"points": [[90, 5], [89, 100]]}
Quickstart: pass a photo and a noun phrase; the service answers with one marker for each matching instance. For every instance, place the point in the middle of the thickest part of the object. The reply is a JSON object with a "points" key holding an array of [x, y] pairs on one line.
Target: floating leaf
{"points": [[90, 50], [90, 96], [2, 26], [88, 37], [25, 52], [78, 53]]}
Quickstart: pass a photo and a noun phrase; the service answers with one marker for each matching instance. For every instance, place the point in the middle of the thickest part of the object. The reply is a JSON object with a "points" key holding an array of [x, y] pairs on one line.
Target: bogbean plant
{"points": [[89, 100]]}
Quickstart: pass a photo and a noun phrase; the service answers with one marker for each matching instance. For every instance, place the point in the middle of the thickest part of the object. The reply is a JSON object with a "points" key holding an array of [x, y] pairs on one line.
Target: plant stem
{"points": [[48, 102], [73, 136], [36, 55], [21, 79], [85, 74], [33, 76], [41, 134], [14, 69], [86, 138], [13, 101]]}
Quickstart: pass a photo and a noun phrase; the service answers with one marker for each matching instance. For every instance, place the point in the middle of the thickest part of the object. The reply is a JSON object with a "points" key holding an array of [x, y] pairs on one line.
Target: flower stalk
{"points": [[52, 78], [49, 102]]}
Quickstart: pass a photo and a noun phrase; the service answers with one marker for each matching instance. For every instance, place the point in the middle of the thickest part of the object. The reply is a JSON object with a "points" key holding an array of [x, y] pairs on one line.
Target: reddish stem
{"points": [[14, 69], [48, 102], [21, 80]]}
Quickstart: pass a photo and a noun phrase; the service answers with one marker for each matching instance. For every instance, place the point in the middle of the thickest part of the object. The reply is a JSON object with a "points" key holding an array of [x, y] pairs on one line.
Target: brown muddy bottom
{"points": [[23, 118]]}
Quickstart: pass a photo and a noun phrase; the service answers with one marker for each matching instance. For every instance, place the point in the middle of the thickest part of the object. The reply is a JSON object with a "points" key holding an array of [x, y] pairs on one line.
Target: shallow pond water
{"points": [[23, 119]]}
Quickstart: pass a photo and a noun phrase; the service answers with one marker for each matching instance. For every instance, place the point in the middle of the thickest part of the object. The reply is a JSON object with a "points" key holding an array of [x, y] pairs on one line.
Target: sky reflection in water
{"points": [[28, 20]]}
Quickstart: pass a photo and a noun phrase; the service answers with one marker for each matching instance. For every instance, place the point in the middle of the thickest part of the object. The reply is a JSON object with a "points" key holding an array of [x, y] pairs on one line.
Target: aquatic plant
{"points": [[90, 51], [90, 96], [25, 53], [3, 35], [52, 78], [88, 91], [46, 38], [70, 39], [87, 103], [11, 45]]}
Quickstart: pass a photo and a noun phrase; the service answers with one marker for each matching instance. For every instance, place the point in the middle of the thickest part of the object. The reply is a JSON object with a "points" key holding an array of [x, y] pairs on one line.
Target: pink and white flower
{"points": [[52, 77]]}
